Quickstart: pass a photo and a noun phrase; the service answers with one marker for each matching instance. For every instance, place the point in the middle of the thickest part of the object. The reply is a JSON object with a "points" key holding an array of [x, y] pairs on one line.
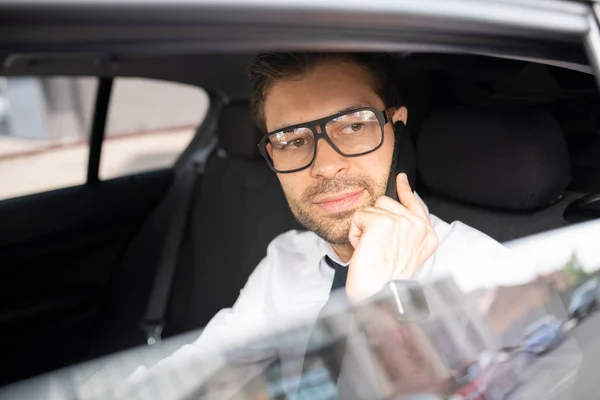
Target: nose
{"points": [[328, 162]]}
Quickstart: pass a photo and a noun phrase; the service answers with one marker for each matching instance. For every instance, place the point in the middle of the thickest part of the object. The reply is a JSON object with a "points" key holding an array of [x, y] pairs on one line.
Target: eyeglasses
{"points": [[351, 133]]}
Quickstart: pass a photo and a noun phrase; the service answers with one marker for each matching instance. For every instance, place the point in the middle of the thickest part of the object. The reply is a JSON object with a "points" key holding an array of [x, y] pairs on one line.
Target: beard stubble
{"points": [[334, 228]]}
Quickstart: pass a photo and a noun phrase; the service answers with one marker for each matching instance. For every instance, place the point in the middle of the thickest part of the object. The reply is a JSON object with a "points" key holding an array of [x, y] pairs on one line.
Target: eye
{"points": [[296, 143], [353, 128]]}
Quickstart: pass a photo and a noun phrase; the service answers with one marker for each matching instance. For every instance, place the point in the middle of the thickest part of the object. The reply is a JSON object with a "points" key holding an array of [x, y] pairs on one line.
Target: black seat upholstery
{"points": [[237, 210], [239, 206], [505, 174]]}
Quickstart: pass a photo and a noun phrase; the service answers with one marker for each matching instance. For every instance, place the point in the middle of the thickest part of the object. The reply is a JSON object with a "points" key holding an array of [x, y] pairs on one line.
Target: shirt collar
{"points": [[329, 252]]}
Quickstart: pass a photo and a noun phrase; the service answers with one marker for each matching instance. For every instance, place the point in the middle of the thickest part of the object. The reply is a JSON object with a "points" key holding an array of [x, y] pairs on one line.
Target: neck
{"points": [[343, 251]]}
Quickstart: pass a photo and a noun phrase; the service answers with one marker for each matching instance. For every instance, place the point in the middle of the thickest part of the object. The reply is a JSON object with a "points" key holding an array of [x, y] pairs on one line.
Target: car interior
{"points": [[509, 147]]}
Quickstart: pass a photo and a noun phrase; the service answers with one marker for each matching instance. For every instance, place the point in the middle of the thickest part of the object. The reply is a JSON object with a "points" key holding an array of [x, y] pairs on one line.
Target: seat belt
{"points": [[179, 199]]}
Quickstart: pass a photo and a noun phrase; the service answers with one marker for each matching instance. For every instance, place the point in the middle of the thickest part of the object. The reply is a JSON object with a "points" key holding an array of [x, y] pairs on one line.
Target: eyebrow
{"points": [[348, 108]]}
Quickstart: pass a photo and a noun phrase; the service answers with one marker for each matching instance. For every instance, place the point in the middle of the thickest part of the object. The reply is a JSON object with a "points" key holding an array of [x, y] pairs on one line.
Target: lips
{"points": [[341, 201]]}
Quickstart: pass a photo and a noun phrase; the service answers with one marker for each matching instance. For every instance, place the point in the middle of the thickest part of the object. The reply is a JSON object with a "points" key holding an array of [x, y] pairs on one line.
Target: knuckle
{"points": [[358, 216], [433, 239], [420, 225], [382, 201], [368, 210], [388, 222], [405, 220]]}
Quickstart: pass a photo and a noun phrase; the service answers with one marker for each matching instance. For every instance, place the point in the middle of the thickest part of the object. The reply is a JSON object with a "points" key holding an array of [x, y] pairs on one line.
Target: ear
{"points": [[401, 114], [269, 149]]}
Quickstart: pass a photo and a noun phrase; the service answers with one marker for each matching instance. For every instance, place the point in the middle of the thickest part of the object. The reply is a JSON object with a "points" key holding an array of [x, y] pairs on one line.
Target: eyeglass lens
{"points": [[353, 133]]}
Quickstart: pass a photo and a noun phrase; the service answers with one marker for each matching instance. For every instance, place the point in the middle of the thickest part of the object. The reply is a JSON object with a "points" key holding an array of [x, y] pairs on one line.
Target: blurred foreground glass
{"points": [[351, 133], [502, 333]]}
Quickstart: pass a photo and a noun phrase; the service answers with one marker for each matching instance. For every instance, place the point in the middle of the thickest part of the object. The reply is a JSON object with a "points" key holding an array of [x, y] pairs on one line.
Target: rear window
{"points": [[44, 133], [45, 123], [149, 124]]}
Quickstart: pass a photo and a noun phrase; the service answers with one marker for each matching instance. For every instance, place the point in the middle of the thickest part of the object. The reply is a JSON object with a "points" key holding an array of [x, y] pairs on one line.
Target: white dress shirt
{"points": [[293, 282]]}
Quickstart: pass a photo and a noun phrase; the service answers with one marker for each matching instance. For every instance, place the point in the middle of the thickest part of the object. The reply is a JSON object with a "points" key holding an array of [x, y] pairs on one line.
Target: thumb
{"points": [[357, 227]]}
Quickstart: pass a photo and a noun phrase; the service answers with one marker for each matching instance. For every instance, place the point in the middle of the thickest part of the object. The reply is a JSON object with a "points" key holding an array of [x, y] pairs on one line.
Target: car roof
{"points": [[209, 43]]}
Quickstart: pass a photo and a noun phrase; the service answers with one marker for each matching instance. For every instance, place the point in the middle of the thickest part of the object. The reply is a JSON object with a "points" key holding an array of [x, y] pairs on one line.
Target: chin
{"points": [[338, 242], [341, 216], [335, 230]]}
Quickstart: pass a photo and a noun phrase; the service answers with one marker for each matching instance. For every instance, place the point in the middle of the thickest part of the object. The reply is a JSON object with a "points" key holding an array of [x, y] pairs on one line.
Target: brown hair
{"points": [[268, 68]]}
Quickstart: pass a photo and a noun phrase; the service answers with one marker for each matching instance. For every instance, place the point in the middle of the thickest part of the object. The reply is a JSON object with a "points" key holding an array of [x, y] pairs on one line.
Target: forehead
{"points": [[324, 90]]}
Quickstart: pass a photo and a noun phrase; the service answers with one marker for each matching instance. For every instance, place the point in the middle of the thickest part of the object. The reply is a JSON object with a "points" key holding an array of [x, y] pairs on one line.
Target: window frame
{"points": [[98, 129]]}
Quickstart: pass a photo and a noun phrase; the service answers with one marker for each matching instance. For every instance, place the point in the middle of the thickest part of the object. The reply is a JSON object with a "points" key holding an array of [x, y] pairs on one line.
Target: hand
{"points": [[391, 241]]}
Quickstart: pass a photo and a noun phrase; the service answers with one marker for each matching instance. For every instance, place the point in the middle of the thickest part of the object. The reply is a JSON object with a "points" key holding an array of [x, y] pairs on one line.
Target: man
{"points": [[330, 123], [335, 187], [339, 194]]}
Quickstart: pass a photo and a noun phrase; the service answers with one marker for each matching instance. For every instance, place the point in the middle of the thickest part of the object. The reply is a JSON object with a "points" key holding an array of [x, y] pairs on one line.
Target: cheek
{"points": [[293, 184], [378, 163]]}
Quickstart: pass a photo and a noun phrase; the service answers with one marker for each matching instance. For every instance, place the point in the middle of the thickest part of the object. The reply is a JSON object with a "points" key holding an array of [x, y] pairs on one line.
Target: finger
{"points": [[407, 197], [361, 220], [357, 227], [354, 234], [394, 211], [389, 204]]}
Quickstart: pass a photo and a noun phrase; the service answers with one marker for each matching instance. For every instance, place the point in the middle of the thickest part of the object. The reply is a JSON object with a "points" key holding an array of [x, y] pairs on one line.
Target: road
{"points": [[571, 371], [26, 168]]}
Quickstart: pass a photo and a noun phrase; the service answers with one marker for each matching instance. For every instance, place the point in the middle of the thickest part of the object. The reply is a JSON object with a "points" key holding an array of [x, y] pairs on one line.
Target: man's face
{"points": [[324, 196]]}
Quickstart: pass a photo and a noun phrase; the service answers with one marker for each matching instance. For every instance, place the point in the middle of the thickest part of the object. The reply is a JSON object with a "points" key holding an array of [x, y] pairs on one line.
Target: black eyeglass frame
{"points": [[381, 116]]}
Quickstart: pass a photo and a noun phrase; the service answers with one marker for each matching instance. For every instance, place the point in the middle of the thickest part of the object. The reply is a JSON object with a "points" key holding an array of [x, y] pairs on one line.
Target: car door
{"points": [[84, 163]]}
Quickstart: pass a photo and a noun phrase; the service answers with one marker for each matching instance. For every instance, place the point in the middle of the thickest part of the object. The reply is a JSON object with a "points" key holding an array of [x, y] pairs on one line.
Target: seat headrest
{"points": [[506, 160], [238, 135]]}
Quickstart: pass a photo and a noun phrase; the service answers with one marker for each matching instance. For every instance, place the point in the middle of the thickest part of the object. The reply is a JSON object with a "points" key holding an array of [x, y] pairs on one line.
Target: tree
{"points": [[574, 271]]}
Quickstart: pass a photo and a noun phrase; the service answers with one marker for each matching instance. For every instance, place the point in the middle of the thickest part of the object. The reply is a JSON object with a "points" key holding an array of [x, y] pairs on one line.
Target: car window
{"points": [[534, 330], [45, 124], [587, 286], [560, 355], [475, 311], [44, 128], [580, 294], [150, 123]]}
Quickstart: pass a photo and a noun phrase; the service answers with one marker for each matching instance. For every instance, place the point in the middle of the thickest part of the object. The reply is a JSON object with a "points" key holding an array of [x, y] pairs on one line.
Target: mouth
{"points": [[340, 201]]}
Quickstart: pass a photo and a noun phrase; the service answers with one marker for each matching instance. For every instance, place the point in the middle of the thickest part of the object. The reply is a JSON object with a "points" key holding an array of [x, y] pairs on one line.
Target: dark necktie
{"points": [[341, 274], [333, 355]]}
